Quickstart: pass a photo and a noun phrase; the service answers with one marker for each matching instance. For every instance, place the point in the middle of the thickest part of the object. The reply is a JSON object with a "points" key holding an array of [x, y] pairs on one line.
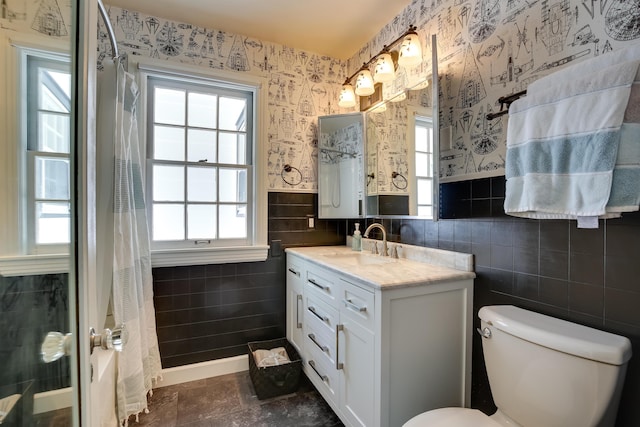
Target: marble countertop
{"points": [[377, 271]]}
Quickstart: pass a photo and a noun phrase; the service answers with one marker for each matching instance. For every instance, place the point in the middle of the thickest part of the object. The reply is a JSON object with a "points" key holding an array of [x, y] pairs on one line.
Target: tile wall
{"points": [[30, 307], [210, 312]]}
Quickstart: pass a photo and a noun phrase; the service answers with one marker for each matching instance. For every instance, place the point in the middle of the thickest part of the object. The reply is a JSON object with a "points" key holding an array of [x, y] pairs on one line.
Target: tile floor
{"points": [[227, 401]]}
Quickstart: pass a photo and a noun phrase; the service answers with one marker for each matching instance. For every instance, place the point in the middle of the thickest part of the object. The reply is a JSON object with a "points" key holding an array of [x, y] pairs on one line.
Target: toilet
{"points": [[543, 372]]}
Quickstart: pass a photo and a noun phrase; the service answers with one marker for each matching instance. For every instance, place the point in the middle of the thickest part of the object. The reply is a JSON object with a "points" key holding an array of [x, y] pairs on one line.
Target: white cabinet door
{"points": [[355, 352], [295, 283]]}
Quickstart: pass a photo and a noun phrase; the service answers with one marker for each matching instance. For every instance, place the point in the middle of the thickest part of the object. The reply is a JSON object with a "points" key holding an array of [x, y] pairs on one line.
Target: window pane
{"points": [[233, 221], [55, 90], [232, 148], [425, 192], [422, 139], [53, 132], [168, 143], [168, 222], [202, 110], [201, 184], [52, 223], [233, 185], [169, 106], [63, 80], [201, 145], [423, 164], [201, 221], [232, 113], [52, 178], [48, 101], [168, 183]]}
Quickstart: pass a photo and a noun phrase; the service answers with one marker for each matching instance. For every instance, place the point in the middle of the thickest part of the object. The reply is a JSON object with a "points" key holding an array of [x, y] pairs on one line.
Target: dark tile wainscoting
{"points": [[30, 307], [209, 312], [587, 276]]}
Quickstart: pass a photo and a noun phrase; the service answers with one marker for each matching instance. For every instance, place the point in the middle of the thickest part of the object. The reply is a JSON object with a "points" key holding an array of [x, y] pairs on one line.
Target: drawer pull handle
{"points": [[339, 365], [312, 309], [314, 283], [324, 378], [353, 306], [297, 273], [298, 300], [324, 348]]}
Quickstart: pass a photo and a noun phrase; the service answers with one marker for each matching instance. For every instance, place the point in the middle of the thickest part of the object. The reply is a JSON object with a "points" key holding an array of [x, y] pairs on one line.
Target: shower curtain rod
{"points": [[115, 52]]}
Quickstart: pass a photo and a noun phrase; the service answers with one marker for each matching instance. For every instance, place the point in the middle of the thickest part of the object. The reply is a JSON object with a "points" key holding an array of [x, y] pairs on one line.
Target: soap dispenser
{"points": [[356, 243]]}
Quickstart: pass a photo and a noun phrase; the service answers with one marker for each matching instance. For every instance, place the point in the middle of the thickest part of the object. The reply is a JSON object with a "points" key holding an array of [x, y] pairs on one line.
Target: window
{"points": [[201, 170], [424, 161], [47, 129]]}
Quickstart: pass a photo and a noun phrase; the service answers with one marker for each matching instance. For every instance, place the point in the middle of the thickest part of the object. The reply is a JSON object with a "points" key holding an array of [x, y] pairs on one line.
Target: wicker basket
{"points": [[276, 380]]}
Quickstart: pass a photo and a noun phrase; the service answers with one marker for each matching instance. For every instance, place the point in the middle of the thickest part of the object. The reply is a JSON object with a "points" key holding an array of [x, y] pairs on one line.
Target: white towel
{"points": [[273, 357], [562, 142]]}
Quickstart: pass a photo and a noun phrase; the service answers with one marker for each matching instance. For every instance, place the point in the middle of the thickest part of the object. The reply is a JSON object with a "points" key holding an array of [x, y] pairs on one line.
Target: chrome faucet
{"points": [[384, 236]]}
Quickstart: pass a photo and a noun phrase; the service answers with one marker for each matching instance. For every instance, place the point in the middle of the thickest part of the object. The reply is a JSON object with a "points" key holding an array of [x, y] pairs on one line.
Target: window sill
{"points": [[32, 265], [182, 257]]}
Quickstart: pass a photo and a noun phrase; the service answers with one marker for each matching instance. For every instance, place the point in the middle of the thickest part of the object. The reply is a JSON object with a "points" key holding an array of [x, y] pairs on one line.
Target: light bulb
{"points": [[384, 71], [410, 51], [364, 83], [347, 97]]}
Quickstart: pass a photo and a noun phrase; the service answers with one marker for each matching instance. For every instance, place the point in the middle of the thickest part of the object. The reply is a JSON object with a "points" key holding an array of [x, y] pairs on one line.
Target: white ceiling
{"points": [[337, 28]]}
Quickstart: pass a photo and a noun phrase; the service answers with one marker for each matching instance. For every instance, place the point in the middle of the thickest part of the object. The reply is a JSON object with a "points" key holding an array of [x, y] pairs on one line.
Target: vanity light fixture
{"points": [[385, 68], [386, 64], [347, 97], [364, 82], [410, 51]]}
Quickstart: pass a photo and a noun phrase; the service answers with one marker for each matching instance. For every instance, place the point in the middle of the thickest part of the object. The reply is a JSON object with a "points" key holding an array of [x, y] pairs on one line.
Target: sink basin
{"points": [[359, 258]]}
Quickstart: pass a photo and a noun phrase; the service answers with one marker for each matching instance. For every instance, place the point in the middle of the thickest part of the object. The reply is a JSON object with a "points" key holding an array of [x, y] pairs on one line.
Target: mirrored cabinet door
{"points": [[341, 153]]}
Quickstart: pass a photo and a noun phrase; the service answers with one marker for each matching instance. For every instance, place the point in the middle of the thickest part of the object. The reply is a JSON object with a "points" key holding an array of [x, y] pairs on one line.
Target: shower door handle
{"points": [[54, 346], [110, 339]]}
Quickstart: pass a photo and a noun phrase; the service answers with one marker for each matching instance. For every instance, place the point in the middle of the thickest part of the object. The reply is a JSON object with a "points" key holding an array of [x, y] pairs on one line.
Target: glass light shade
{"points": [[410, 51], [379, 109], [422, 85], [399, 97], [364, 83], [347, 97], [384, 70]]}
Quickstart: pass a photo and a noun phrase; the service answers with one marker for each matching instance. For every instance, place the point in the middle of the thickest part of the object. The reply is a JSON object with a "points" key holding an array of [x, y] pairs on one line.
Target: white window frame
{"points": [[256, 248], [416, 114], [15, 259], [30, 155]]}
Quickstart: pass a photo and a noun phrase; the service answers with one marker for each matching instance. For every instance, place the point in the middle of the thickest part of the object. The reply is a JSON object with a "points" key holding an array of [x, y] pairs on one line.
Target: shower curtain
{"points": [[132, 295]]}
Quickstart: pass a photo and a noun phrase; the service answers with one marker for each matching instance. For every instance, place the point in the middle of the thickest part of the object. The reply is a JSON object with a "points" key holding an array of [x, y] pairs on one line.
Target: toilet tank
{"points": [[548, 372]]}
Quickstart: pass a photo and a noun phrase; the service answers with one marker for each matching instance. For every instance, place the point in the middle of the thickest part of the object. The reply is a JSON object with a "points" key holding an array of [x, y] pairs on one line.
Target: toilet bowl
{"points": [[543, 371]]}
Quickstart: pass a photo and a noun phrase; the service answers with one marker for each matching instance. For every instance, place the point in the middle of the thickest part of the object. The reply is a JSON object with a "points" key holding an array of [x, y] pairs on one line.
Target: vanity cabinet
{"points": [[380, 356]]}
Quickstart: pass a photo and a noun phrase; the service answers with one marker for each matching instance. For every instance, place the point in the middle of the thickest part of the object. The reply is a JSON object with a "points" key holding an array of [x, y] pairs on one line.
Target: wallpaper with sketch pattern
{"points": [[302, 85], [491, 48], [486, 49]]}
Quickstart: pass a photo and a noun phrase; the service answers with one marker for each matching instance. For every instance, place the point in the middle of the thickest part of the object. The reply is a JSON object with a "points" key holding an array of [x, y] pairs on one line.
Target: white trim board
{"points": [[61, 398]]}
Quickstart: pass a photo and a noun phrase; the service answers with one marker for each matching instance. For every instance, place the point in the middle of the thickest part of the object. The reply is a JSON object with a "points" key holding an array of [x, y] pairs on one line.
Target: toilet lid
{"points": [[451, 417]]}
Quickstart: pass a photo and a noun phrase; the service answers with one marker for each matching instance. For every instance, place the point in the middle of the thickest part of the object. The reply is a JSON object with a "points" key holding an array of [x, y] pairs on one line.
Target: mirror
{"points": [[398, 175], [341, 189]]}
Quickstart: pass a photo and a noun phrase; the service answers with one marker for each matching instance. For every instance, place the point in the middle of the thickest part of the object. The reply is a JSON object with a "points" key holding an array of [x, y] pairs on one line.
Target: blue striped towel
{"points": [[563, 145]]}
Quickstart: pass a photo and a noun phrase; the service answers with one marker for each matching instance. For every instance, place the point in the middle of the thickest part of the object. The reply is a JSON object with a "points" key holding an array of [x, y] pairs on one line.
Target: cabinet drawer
{"points": [[323, 282], [295, 269], [325, 377], [357, 304], [319, 316], [320, 345]]}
